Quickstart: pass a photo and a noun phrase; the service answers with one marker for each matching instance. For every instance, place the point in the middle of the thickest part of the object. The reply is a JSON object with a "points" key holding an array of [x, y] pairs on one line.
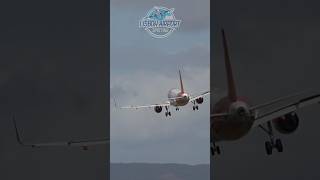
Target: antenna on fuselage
{"points": [[231, 85]]}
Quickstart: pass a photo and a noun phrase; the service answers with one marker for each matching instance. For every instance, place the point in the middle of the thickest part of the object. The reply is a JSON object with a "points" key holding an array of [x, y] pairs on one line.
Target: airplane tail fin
{"points": [[181, 83], [231, 85]]}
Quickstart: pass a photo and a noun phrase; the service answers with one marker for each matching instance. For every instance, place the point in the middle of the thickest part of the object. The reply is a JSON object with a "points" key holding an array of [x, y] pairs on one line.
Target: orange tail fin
{"points": [[231, 85]]}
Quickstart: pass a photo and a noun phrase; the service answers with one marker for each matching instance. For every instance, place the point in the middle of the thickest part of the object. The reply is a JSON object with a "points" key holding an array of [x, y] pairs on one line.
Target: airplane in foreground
{"points": [[176, 98], [232, 118], [84, 144]]}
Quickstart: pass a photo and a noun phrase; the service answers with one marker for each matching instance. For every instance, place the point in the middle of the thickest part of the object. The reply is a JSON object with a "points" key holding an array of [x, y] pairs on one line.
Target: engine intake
{"points": [[158, 109], [199, 100], [286, 124]]}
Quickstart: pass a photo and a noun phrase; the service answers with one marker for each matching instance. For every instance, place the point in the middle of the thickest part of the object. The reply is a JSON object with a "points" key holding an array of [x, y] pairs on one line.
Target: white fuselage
{"points": [[178, 98]]}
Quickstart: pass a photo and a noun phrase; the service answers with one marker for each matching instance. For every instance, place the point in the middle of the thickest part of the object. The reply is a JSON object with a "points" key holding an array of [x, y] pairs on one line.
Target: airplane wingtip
{"points": [[18, 137]]}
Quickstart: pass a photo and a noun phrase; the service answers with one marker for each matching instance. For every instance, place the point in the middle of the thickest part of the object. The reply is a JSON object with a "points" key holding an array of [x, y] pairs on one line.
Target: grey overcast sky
{"points": [[143, 69], [274, 47]]}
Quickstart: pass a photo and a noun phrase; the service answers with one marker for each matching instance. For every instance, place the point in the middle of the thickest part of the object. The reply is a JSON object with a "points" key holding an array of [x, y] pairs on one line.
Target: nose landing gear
{"points": [[167, 113], [273, 143]]}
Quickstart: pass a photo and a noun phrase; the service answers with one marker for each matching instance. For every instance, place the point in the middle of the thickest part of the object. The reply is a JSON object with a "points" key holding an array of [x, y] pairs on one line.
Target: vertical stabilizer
{"points": [[181, 83], [231, 86]]}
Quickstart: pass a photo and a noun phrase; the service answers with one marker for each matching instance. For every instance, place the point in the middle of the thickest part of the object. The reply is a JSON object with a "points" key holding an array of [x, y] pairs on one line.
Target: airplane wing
{"points": [[277, 100], [218, 115], [278, 111], [192, 98], [72, 143], [146, 106]]}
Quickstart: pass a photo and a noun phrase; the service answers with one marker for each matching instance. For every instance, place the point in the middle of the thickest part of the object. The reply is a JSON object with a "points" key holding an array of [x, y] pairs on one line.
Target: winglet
{"points": [[231, 85], [181, 83], [17, 131]]}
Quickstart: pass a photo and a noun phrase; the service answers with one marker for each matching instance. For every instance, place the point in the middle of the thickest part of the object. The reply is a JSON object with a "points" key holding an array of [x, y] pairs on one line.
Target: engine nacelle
{"points": [[199, 100], [158, 109], [286, 124]]}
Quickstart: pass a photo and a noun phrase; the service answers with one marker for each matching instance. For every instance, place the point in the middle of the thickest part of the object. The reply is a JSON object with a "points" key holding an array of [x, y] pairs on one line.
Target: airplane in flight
{"points": [[232, 118], [176, 98], [84, 144]]}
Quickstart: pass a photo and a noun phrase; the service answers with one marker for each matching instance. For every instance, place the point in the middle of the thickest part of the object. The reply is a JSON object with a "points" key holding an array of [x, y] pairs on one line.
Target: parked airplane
{"points": [[176, 98], [84, 144], [232, 118]]}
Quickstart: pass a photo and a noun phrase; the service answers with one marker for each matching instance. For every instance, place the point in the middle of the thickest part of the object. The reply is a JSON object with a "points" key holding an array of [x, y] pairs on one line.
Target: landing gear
{"points": [[195, 107], [279, 145], [269, 145], [177, 109], [214, 149], [167, 113]]}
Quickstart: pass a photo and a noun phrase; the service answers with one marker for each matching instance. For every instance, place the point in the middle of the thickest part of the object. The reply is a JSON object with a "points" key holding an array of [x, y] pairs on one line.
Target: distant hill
{"points": [[150, 171]]}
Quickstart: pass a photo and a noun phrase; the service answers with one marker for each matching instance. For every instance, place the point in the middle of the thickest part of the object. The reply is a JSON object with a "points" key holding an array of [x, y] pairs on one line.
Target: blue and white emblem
{"points": [[160, 22]]}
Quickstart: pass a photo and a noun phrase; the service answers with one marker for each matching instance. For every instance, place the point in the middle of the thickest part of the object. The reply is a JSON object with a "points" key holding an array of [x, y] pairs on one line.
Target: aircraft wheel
{"points": [[193, 108], [197, 107], [279, 145], [218, 150], [166, 114], [212, 151], [268, 147], [169, 113]]}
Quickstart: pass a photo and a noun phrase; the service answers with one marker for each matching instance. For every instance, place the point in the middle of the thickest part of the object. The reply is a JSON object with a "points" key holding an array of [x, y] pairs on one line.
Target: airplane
{"points": [[176, 98], [84, 144], [231, 118]]}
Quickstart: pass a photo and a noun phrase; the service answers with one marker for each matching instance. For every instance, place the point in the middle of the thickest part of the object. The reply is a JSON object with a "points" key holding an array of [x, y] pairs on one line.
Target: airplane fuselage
{"points": [[178, 98], [233, 126]]}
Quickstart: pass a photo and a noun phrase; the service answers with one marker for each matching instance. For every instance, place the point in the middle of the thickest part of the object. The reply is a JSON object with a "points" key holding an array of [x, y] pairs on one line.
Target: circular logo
{"points": [[159, 22]]}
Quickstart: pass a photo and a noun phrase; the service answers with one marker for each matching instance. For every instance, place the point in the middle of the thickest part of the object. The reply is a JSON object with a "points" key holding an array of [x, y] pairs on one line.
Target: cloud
{"points": [[141, 58]]}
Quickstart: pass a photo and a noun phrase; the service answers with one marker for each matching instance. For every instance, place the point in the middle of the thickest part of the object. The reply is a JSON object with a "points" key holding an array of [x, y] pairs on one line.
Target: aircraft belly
{"points": [[225, 130], [181, 102]]}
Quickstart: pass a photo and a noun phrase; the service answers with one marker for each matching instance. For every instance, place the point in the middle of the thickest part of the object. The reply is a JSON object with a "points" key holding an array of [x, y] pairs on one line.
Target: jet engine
{"points": [[199, 100], [158, 109], [286, 124]]}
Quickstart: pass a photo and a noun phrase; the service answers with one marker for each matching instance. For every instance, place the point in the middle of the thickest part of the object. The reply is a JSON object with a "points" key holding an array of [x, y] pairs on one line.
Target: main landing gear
{"points": [[273, 143], [195, 107], [214, 149], [167, 113]]}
